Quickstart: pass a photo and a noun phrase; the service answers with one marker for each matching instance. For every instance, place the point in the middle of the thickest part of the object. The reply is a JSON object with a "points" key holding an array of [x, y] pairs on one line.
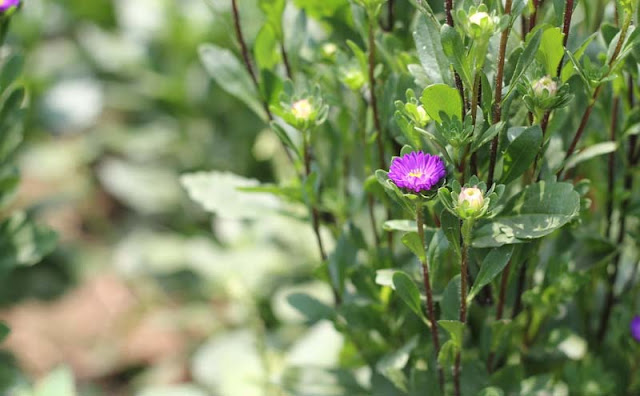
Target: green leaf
{"points": [[265, 48], [536, 211], [524, 61], [568, 69], [491, 266], [455, 50], [282, 130], [487, 136], [408, 292], [438, 98], [273, 10], [450, 304], [591, 152], [231, 75], [4, 331], [310, 307], [23, 242], [455, 328], [392, 364], [430, 52], [550, 51], [11, 70], [451, 227], [521, 153], [412, 241]]}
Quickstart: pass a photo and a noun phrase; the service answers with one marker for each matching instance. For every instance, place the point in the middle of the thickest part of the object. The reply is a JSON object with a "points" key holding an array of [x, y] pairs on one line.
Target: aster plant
{"points": [[524, 233]]}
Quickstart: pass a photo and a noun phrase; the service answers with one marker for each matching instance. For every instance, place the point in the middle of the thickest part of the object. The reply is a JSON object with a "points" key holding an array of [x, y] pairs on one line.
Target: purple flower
{"points": [[6, 4], [417, 171], [635, 327]]}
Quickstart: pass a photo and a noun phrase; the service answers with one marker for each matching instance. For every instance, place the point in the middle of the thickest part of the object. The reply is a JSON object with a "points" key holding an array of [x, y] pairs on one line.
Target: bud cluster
{"points": [[472, 201], [543, 94], [301, 111]]}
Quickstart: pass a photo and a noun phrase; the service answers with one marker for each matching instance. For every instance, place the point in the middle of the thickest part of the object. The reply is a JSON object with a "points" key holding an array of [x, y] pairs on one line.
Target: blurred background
{"points": [[147, 293]]}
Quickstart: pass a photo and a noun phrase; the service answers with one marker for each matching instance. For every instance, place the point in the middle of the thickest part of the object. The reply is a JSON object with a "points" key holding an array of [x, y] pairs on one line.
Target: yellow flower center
{"points": [[415, 173]]}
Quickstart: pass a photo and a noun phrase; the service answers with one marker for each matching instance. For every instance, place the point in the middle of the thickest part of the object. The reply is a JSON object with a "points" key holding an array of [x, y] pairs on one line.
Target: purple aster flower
{"points": [[6, 4], [417, 171], [635, 327]]}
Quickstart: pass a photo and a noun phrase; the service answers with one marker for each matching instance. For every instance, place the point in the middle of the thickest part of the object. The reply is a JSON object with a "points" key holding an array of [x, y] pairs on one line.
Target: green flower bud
{"points": [[329, 50], [353, 78], [302, 109], [546, 83], [470, 201]]}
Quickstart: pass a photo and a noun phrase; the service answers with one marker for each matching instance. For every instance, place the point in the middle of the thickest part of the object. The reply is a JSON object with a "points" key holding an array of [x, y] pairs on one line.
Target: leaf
{"points": [[408, 292], [450, 304], [591, 152], [219, 193], [4, 331], [310, 307], [455, 328], [455, 50], [536, 211], [551, 51], [23, 242], [11, 70], [265, 48], [568, 69], [430, 52], [487, 136], [521, 153], [392, 364], [438, 98], [281, 131], [491, 266], [231, 75], [528, 54], [451, 227], [412, 241]]}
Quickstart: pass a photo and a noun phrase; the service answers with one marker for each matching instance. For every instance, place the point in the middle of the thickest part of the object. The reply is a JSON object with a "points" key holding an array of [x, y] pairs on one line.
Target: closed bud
{"points": [[546, 83], [302, 109], [470, 199]]}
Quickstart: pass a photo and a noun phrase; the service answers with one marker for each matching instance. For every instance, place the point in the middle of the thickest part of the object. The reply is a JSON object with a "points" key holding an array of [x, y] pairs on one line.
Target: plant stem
{"points": [[427, 287], [628, 186], [372, 89], [596, 93], [534, 16], [249, 66], [390, 15], [448, 6], [315, 215], [568, 13], [374, 107], [611, 163], [475, 97], [497, 106], [285, 60], [504, 282], [464, 274]]}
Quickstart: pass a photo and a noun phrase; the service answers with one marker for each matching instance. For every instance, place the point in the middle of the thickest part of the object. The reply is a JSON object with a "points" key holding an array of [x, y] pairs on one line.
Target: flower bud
{"points": [[353, 78], [470, 199], [480, 25], [302, 109], [329, 50], [546, 83]]}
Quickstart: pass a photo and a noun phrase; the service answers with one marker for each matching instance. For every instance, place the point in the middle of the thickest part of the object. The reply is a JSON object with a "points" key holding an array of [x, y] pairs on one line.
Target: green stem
{"points": [[467, 226], [427, 287]]}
